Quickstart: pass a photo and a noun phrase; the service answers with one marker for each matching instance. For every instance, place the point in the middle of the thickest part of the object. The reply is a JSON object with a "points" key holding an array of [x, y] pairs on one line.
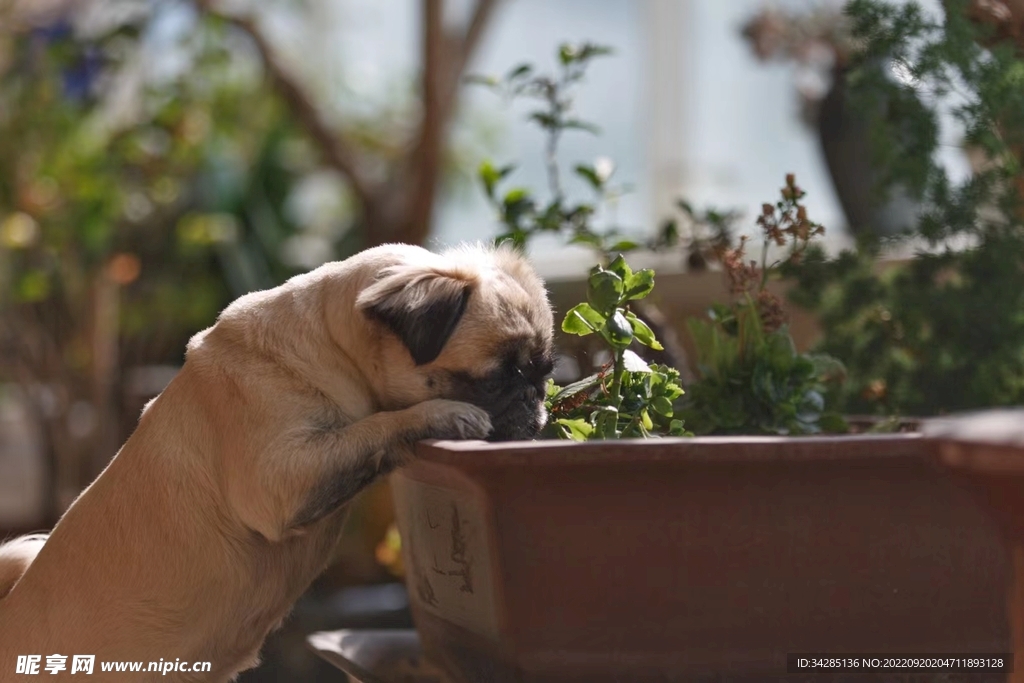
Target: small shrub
{"points": [[751, 379], [628, 398]]}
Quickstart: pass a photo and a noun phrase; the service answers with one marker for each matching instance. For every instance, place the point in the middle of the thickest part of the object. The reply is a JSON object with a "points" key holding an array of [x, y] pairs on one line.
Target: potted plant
{"points": [[752, 379], [601, 558], [943, 331], [984, 451], [823, 45]]}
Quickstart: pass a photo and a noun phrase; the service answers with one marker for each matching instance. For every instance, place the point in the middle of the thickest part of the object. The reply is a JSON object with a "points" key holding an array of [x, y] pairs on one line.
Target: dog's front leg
{"points": [[347, 459]]}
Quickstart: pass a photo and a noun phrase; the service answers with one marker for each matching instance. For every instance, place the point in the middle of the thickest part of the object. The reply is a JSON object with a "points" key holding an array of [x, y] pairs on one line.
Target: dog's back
{"points": [[15, 557]]}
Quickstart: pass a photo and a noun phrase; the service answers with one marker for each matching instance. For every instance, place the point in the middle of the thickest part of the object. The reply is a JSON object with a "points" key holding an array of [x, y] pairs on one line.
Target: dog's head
{"points": [[472, 324]]}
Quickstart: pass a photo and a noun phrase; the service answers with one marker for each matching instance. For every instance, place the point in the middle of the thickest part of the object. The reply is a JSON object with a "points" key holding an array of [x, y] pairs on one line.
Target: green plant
{"points": [[119, 234], [524, 215], [521, 213], [943, 331], [751, 377], [705, 234], [628, 398]]}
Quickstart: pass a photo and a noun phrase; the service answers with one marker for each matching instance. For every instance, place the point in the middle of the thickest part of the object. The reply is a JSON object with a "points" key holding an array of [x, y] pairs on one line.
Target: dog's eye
{"points": [[493, 384], [538, 367]]}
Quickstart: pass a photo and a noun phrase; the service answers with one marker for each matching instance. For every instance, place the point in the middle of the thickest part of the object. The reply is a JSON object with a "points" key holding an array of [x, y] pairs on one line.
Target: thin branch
{"points": [[436, 54], [332, 144], [406, 214], [477, 24], [464, 47], [444, 59]]}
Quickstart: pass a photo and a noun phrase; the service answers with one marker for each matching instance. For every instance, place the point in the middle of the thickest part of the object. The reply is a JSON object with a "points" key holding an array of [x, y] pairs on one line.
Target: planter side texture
{"points": [[678, 559]]}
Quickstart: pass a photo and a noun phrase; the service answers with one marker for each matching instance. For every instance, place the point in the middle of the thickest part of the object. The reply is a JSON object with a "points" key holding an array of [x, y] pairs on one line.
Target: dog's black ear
{"points": [[422, 306]]}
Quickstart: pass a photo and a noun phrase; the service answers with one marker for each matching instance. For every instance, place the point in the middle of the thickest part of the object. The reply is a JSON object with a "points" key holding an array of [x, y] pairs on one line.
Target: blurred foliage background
{"points": [[138, 196], [159, 158], [130, 218]]}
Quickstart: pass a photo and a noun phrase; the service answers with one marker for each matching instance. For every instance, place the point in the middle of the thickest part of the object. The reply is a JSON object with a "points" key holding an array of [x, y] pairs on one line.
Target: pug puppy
{"points": [[227, 500]]}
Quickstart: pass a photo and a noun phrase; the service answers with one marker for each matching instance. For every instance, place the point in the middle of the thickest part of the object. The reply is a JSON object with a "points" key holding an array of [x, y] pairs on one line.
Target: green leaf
{"points": [[490, 176], [516, 238], [668, 236], [640, 389], [643, 333], [662, 406], [589, 238], [640, 284], [477, 79], [606, 421], [551, 218], [517, 203], [621, 268], [617, 331], [624, 245], [833, 423], [585, 384], [780, 350], [551, 389], [721, 312], [577, 124], [590, 175], [827, 368], [750, 330], [516, 196], [577, 430], [582, 320], [519, 72], [604, 290], [591, 50], [545, 120], [575, 324], [717, 352]]}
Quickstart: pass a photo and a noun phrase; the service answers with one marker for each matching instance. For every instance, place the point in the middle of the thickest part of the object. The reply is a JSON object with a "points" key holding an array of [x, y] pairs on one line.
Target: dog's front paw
{"points": [[446, 419]]}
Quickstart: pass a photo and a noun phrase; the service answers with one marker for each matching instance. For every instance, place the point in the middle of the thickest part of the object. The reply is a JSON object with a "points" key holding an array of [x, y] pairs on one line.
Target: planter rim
{"points": [[998, 427], [724, 449], [983, 442]]}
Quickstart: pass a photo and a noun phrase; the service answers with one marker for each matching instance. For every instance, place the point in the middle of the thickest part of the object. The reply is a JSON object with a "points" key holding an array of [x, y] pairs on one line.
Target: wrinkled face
{"points": [[472, 326], [499, 355], [510, 387]]}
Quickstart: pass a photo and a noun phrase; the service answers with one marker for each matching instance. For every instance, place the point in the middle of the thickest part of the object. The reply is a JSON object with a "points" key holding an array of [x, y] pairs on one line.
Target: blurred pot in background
{"points": [[850, 132]]}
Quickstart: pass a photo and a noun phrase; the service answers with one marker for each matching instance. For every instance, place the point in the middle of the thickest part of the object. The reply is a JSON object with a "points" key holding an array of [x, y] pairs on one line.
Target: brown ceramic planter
{"points": [[671, 559], [985, 452]]}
